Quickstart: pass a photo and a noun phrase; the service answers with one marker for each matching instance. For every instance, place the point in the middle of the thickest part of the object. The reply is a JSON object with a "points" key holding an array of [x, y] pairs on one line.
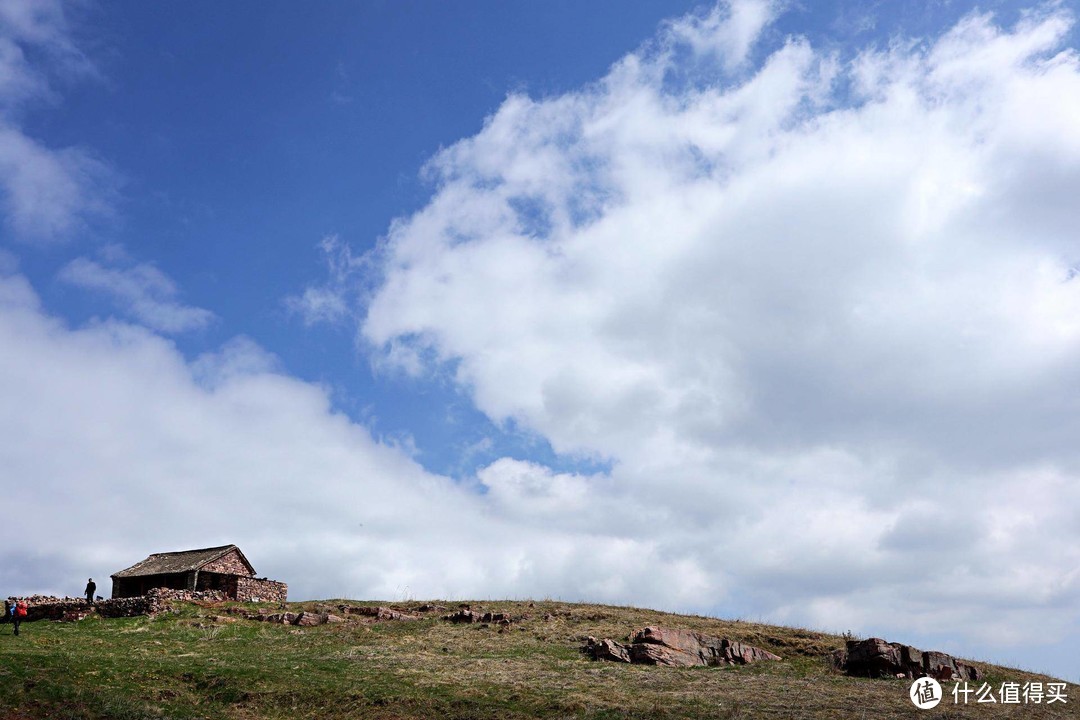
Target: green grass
{"points": [[201, 662]]}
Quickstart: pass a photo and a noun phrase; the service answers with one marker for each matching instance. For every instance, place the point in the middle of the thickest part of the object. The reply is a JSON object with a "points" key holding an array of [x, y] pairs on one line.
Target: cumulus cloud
{"points": [[820, 319], [142, 291], [115, 446]]}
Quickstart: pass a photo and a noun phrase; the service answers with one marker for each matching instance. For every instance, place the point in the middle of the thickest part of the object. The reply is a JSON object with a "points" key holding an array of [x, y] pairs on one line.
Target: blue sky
{"points": [[753, 309], [256, 136]]}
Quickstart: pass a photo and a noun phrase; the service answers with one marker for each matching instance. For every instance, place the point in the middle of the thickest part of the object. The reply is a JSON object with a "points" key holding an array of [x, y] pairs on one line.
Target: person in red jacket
{"points": [[18, 613]]}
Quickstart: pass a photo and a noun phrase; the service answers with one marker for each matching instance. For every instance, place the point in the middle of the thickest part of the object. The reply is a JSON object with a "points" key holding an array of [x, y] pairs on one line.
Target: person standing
{"points": [[91, 588], [18, 614]]}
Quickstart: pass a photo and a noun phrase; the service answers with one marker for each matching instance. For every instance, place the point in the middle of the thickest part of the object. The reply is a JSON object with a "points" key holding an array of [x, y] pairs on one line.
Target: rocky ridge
{"points": [[875, 658], [676, 648]]}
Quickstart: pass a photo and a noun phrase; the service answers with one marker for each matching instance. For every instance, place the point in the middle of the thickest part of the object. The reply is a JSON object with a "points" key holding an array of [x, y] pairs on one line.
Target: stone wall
{"points": [[155, 601], [249, 589], [43, 607], [228, 564]]}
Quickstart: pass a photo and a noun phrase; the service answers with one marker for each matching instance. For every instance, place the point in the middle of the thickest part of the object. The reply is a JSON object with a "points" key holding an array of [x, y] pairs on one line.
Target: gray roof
{"points": [[179, 562]]}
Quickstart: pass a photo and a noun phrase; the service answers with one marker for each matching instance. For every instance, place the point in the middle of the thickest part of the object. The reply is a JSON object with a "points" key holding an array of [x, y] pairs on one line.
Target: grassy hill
{"points": [[202, 662]]}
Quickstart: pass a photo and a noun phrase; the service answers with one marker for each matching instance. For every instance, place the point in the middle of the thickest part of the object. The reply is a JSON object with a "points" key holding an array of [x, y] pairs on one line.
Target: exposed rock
{"points": [[309, 619], [946, 667], [875, 657], [678, 648], [606, 650], [911, 661], [331, 618], [429, 607], [663, 646], [267, 617], [379, 613], [465, 615]]}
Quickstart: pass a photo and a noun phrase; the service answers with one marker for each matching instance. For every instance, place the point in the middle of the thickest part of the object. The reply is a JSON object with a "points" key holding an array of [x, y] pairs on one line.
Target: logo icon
{"points": [[925, 693]]}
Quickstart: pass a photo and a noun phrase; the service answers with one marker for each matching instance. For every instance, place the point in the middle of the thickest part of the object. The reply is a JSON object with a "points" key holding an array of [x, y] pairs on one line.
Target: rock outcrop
{"points": [[379, 613], [321, 615], [876, 658], [677, 648], [606, 650], [466, 615]]}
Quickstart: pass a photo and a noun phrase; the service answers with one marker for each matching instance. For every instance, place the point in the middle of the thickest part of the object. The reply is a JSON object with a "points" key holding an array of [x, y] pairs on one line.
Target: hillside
{"points": [[208, 661]]}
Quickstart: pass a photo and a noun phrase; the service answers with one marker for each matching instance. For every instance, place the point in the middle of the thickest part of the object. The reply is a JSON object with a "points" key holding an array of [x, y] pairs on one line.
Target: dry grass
{"points": [[200, 663]]}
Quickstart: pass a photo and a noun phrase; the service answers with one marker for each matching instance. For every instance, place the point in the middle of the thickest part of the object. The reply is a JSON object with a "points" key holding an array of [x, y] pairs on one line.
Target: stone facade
{"points": [[249, 589], [229, 564]]}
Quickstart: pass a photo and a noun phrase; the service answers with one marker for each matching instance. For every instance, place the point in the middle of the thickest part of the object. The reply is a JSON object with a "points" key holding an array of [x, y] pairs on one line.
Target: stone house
{"points": [[221, 568]]}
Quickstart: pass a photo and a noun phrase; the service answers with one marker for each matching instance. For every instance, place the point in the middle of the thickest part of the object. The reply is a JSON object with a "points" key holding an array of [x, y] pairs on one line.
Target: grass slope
{"points": [[201, 663]]}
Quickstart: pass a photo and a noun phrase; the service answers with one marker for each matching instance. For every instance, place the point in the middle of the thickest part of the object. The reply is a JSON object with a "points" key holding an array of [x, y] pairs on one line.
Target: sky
{"points": [[763, 309]]}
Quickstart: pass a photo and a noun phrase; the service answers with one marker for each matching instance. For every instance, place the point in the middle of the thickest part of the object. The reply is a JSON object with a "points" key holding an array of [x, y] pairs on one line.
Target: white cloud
{"points": [[727, 31], [334, 300], [809, 316], [114, 446], [524, 488], [46, 192], [143, 291]]}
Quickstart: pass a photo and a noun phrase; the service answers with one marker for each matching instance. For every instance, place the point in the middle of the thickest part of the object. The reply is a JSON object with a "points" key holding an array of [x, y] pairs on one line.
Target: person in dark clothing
{"points": [[91, 588]]}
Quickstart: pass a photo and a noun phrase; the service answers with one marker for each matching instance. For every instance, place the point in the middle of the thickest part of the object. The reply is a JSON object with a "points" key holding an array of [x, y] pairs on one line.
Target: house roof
{"points": [[179, 562]]}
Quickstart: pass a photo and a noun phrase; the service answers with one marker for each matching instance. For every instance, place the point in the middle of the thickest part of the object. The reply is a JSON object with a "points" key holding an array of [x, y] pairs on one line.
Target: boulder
{"points": [[650, 654], [606, 650], [873, 658], [661, 646], [911, 660], [309, 619], [379, 613], [877, 658], [737, 653], [944, 667], [466, 615]]}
